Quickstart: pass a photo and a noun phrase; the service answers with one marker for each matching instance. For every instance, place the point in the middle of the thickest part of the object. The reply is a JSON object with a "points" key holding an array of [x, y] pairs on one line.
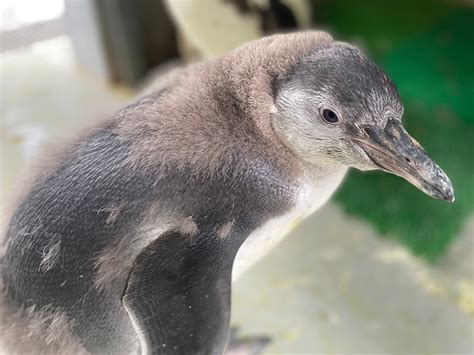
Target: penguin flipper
{"points": [[178, 294]]}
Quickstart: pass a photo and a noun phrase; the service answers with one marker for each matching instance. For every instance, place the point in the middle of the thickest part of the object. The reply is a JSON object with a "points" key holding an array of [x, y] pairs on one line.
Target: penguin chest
{"points": [[313, 194]]}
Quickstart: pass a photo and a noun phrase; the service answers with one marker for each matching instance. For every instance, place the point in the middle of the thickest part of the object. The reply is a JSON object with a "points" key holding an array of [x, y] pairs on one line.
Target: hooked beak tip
{"points": [[448, 195], [437, 184], [451, 198]]}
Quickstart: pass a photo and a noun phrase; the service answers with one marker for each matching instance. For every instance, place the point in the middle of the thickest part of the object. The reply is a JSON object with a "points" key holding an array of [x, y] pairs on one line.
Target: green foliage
{"points": [[399, 210]]}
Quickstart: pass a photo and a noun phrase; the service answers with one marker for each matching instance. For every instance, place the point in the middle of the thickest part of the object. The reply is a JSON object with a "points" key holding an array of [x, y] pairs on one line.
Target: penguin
{"points": [[127, 242], [210, 28]]}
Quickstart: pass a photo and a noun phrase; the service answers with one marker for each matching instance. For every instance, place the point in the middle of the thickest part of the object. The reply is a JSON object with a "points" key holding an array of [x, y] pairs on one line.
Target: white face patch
{"points": [[340, 78], [298, 123]]}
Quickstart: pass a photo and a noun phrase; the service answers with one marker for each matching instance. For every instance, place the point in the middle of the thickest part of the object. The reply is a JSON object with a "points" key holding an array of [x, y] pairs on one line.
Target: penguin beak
{"points": [[393, 150]]}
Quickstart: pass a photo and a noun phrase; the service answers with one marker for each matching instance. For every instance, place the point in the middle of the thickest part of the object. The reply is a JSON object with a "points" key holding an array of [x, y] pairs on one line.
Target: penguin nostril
{"points": [[408, 160]]}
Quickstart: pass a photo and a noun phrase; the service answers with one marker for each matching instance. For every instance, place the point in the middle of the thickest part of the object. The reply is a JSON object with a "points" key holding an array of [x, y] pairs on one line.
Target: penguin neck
{"points": [[243, 87], [316, 172], [199, 117], [318, 184]]}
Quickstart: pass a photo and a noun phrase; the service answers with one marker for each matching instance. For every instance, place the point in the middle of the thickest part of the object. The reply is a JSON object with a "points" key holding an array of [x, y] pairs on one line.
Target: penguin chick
{"points": [[128, 242]]}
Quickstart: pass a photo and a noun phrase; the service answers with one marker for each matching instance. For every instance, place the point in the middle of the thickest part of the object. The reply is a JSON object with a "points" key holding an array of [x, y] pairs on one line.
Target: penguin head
{"points": [[336, 106]]}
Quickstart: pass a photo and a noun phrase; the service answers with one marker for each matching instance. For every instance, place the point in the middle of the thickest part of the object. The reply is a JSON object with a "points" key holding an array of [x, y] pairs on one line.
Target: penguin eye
{"points": [[329, 116]]}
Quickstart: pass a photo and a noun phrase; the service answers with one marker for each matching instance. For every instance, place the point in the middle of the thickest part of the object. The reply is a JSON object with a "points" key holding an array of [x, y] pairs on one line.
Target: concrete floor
{"points": [[334, 287], [331, 287]]}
